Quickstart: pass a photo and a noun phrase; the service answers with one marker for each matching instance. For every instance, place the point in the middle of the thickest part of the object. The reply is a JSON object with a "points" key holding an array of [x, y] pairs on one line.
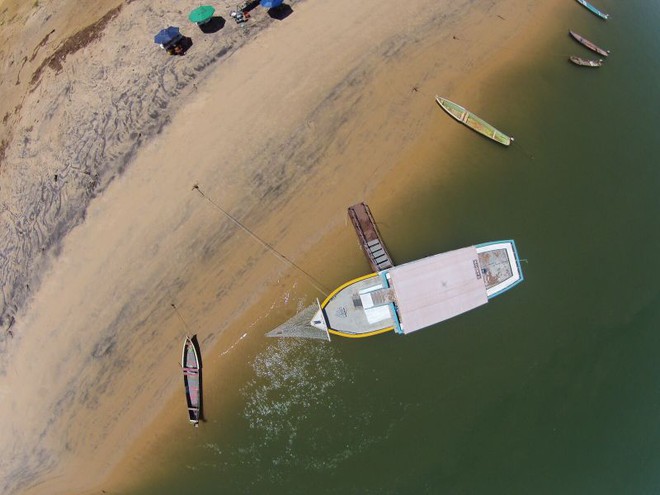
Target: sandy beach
{"points": [[282, 123]]}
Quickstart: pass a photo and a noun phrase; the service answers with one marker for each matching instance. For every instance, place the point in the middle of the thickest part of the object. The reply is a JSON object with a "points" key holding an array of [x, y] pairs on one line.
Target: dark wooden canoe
{"points": [[585, 62], [592, 46], [192, 379]]}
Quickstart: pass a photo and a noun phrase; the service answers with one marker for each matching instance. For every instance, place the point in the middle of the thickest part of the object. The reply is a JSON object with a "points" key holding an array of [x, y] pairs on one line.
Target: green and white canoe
{"points": [[472, 121]]}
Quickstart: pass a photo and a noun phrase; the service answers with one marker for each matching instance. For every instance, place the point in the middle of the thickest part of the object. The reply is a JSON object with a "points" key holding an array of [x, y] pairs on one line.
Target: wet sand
{"points": [[284, 127]]}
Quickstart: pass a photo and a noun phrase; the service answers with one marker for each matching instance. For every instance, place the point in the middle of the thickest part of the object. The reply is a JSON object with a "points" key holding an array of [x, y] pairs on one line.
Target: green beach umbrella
{"points": [[201, 14]]}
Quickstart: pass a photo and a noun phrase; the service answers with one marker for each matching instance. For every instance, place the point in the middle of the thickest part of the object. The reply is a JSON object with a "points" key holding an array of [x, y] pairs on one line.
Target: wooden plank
{"points": [[370, 240]]}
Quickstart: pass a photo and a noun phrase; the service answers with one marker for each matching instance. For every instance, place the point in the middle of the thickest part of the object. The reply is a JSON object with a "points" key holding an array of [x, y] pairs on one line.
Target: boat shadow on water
{"points": [[195, 342]]}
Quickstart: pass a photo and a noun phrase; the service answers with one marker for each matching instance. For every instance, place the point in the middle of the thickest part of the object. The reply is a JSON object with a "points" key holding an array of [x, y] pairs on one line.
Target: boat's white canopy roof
{"points": [[437, 288]]}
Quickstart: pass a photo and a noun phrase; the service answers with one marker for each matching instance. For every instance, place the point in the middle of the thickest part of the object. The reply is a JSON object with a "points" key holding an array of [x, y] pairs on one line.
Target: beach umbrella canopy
{"points": [[167, 35], [201, 14], [271, 4]]}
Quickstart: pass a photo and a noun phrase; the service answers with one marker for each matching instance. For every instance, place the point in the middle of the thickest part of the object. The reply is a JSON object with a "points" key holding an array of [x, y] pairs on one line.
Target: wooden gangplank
{"points": [[372, 245]]}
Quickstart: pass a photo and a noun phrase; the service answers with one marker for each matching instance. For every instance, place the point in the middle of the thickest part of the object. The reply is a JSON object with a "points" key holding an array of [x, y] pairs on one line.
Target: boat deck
{"points": [[499, 266], [352, 309], [495, 267]]}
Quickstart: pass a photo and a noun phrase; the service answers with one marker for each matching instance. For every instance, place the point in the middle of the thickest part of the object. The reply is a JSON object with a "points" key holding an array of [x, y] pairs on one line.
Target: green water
{"points": [[551, 388]]}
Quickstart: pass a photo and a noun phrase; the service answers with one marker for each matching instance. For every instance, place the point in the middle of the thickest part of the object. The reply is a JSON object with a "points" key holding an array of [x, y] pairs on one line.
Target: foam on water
{"points": [[296, 382], [234, 344]]}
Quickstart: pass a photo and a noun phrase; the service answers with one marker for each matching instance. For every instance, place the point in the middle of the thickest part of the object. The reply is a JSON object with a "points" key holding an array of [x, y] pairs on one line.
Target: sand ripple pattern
{"points": [[88, 115]]}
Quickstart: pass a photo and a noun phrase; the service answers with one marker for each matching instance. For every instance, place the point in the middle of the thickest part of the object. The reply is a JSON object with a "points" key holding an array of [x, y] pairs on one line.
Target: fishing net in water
{"points": [[299, 326]]}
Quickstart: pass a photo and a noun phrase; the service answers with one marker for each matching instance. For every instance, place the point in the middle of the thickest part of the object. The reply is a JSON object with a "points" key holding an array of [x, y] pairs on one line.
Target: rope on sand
{"points": [[279, 255]]}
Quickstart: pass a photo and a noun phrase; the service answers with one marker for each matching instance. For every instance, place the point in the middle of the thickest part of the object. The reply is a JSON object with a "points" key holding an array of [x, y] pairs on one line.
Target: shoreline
{"points": [[204, 251]]}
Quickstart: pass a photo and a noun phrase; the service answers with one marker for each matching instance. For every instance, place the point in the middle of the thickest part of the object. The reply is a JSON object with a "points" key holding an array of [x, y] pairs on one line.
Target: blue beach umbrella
{"points": [[166, 36], [271, 4]]}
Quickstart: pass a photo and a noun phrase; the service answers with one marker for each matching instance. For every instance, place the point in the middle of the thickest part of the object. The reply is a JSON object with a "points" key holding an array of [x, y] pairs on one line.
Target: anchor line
{"points": [[181, 318], [317, 285], [524, 151]]}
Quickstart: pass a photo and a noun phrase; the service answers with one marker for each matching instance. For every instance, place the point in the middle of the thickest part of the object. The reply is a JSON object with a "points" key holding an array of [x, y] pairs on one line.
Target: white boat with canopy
{"points": [[415, 295]]}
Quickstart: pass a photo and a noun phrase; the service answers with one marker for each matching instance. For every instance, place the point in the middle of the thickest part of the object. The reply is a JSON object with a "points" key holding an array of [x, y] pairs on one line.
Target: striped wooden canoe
{"points": [[192, 380]]}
